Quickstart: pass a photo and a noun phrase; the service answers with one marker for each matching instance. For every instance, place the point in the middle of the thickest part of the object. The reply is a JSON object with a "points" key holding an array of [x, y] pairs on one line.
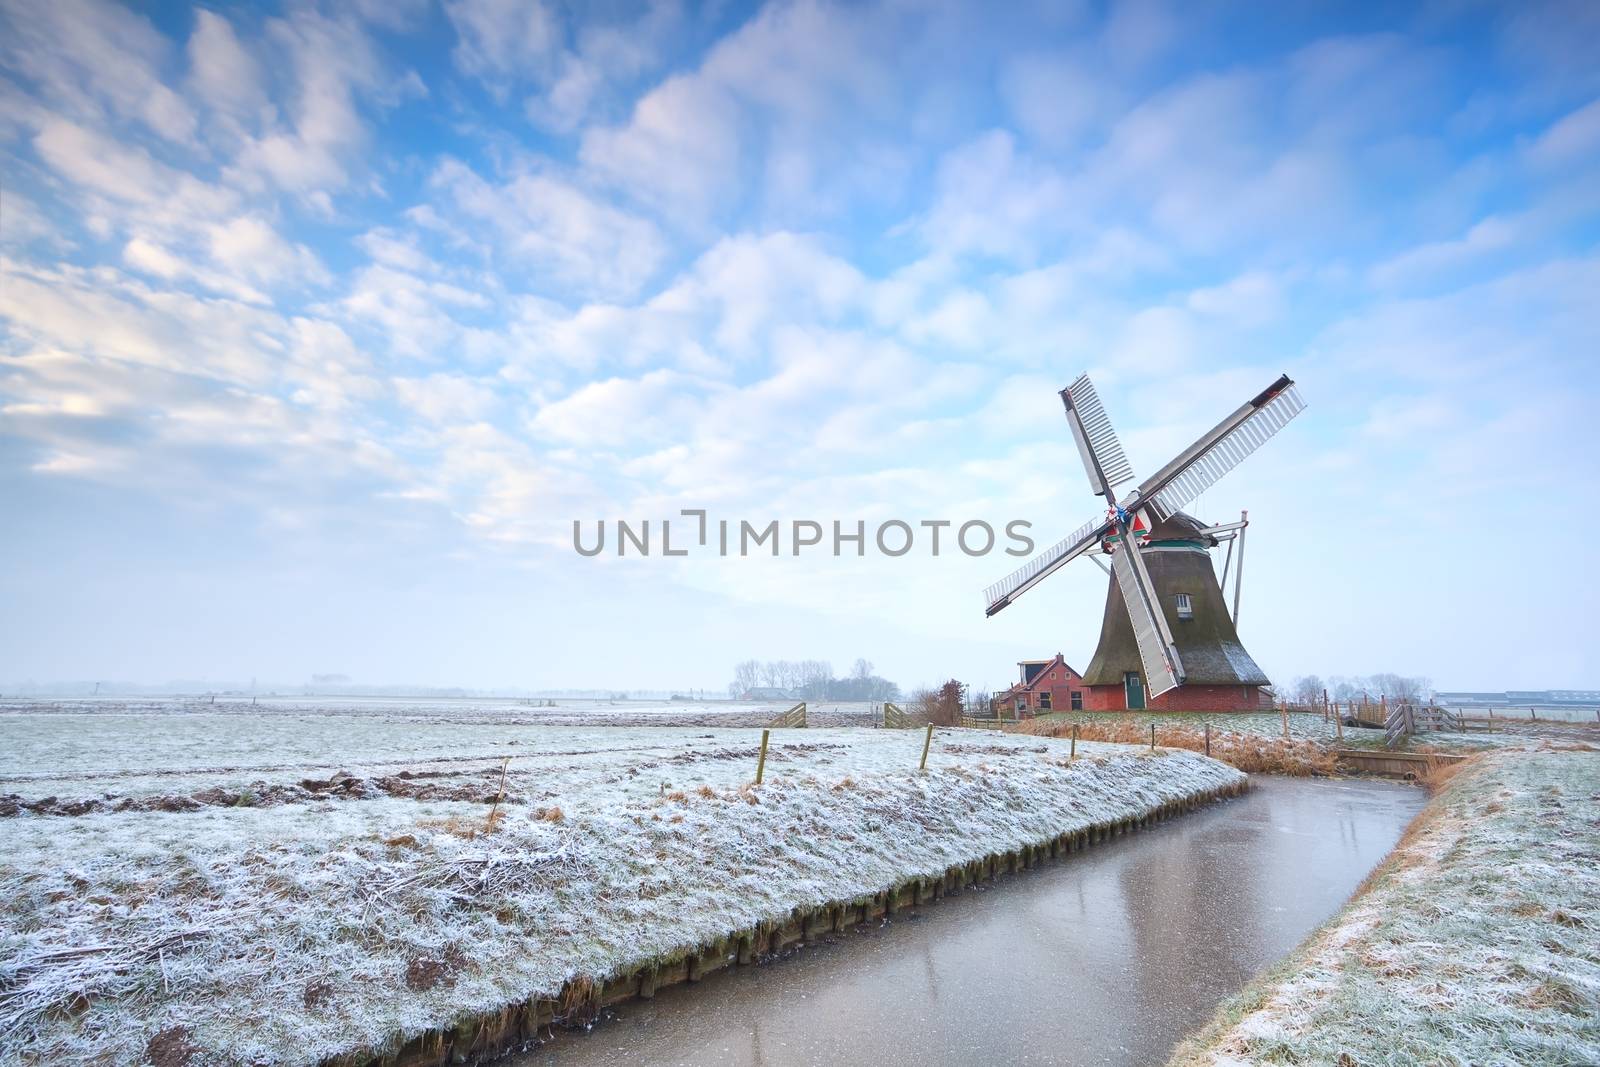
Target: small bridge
{"points": [[1390, 764]]}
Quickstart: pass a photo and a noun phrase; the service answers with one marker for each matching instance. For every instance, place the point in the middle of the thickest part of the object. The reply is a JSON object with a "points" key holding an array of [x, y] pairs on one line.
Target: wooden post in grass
{"points": [[761, 760], [494, 811], [1208, 739], [1152, 737], [1074, 753], [926, 743], [1338, 725], [1283, 711]]}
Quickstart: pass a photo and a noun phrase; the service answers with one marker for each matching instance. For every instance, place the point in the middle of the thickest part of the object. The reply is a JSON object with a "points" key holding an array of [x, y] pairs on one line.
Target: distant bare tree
{"points": [[862, 670], [1307, 690], [746, 675], [815, 674]]}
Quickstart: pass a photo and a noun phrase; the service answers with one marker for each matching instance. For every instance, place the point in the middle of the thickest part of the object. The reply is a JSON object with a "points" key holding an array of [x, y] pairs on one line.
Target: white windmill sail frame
{"points": [[1103, 458], [1163, 669], [1203, 463], [1044, 564]]}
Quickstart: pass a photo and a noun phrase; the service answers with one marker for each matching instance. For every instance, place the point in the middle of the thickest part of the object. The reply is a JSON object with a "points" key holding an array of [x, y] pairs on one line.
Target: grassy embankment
{"points": [[1476, 942]]}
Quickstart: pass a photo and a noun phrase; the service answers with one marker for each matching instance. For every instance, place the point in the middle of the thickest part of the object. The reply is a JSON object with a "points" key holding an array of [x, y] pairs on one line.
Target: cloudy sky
{"points": [[322, 324]]}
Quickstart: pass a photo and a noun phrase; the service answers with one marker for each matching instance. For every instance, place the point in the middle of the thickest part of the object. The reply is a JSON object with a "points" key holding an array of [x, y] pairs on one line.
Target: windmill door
{"points": [[1133, 689]]}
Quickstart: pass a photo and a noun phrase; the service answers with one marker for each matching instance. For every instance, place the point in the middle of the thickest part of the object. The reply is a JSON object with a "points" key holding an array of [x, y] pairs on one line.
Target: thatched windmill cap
{"points": [[1181, 526]]}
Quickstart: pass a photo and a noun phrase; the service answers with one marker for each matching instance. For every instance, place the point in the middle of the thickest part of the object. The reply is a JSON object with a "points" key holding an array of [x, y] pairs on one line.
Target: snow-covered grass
{"points": [[1309, 726], [1477, 942], [88, 750], [365, 907]]}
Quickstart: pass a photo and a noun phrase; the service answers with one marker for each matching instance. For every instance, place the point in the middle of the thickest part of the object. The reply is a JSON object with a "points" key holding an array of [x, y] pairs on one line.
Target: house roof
{"points": [[1028, 686]]}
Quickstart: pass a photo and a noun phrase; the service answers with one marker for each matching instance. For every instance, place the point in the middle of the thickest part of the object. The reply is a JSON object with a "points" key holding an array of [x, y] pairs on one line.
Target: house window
{"points": [[1077, 700], [1044, 700], [1185, 607]]}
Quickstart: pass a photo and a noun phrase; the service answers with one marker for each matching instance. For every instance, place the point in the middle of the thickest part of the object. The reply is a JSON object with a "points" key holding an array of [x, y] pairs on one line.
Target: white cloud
{"points": [[332, 62], [446, 398], [1057, 98], [222, 71], [796, 106], [561, 232], [1252, 298], [993, 200], [145, 255], [500, 40], [1427, 261], [92, 57], [251, 248], [678, 151], [1573, 138]]}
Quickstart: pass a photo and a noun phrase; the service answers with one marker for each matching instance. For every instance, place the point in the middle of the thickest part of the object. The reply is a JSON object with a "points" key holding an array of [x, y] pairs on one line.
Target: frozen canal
{"points": [[1109, 958]]}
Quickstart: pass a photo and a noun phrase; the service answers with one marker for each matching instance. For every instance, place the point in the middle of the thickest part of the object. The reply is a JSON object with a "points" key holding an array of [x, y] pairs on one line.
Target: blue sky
{"points": [[322, 324]]}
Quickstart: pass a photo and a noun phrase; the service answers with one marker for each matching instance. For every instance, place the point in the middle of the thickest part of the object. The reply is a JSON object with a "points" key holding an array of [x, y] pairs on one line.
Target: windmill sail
{"points": [[1199, 466], [1103, 458], [1162, 668], [1047, 562]]}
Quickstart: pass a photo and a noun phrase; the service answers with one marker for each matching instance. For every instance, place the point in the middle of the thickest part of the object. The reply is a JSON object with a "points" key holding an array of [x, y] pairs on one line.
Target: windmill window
{"points": [[1185, 607]]}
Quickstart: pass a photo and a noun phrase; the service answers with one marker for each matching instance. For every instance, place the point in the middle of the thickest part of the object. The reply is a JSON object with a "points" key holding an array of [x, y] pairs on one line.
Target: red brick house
{"points": [[1046, 685]]}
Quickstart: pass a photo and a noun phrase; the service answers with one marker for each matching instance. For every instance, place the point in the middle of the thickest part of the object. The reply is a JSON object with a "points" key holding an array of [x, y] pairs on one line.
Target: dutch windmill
{"points": [[1166, 623]]}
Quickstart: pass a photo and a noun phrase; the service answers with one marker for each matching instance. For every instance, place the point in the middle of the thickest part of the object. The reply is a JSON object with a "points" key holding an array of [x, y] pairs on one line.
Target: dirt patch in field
{"points": [[172, 1047], [471, 786], [426, 972]]}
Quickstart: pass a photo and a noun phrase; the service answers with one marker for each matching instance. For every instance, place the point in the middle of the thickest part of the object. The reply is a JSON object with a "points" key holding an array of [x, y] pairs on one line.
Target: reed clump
{"points": [[1251, 753]]}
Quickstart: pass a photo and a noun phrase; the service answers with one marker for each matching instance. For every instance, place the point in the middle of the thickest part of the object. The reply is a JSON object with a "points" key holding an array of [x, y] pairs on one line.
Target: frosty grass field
{"points": [[1479, 941], [279, 885]]}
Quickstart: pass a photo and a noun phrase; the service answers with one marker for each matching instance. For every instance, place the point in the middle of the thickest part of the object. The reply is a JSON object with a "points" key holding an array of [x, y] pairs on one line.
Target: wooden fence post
{"points": [[1208, 739], [761, 760], [1338, 724], [926, 742], [1283, 711], [1152, 737], [1074, 753]]}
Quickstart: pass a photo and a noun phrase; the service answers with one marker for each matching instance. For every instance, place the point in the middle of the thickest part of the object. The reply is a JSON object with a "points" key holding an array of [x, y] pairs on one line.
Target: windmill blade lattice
{"points": [[1162, 669], [1103, 457], [1203, 463], [1036, 569]]}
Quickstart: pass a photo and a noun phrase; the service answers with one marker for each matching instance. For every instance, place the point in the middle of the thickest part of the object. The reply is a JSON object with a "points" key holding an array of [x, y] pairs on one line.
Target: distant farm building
{"points": [[1045, 685]]}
